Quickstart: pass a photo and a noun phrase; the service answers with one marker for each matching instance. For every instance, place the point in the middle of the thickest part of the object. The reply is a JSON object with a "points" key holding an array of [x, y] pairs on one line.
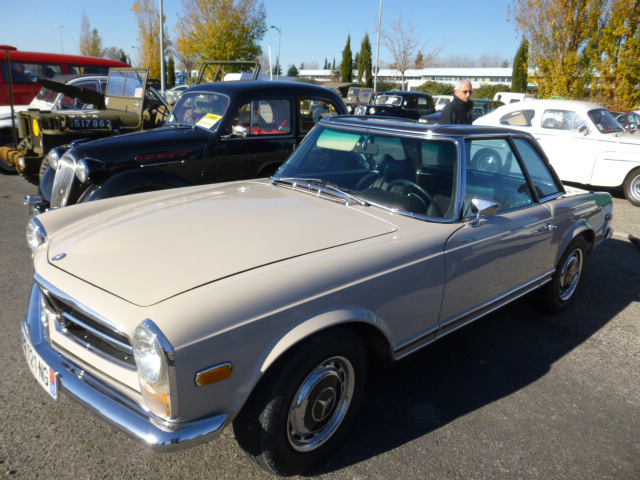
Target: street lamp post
{"points": [[279, 29], [60, 27]]}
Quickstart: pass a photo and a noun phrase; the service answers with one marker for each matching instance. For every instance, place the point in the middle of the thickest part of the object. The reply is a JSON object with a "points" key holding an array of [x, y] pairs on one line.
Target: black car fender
{"points": [[46, 183], [133, 181]]}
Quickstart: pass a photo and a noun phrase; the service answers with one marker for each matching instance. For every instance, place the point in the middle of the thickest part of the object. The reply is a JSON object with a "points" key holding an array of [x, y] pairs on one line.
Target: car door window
{"points": [[263, 117], [562, 120], [73, 102], [494, 174], [312, 109], [543, 181]]}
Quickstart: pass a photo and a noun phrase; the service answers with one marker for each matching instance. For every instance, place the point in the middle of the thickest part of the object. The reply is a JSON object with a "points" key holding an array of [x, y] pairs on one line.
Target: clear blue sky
{"points": [[312, 30]]}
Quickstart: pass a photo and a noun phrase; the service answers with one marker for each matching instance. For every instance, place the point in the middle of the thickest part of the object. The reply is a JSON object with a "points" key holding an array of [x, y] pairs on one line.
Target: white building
{"points": [[416, 77]]}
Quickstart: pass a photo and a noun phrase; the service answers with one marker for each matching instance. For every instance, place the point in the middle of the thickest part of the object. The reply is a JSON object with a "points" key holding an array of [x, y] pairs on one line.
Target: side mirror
{"points": [[240, 131], [482, 208], [584, 130]]}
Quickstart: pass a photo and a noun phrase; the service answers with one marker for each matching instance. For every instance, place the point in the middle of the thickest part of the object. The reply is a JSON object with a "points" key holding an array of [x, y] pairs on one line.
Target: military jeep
{"points": [[129, 104]]}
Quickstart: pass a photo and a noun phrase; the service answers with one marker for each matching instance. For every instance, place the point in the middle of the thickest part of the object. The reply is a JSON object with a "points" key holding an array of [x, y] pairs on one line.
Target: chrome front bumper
{"points": [[36, 204], [111, 405]]}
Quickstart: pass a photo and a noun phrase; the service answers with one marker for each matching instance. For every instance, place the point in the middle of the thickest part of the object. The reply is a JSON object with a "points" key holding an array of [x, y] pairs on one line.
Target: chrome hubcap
{"points": [[320, 404], [570, 274]]}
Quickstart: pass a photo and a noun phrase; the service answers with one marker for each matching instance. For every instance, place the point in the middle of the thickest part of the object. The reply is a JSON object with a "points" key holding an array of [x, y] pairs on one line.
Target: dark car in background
{"points": [[412, 105], [216, 132]]}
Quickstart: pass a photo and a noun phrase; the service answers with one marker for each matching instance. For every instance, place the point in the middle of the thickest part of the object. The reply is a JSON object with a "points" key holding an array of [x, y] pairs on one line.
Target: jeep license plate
{"points": [[44, 374]]}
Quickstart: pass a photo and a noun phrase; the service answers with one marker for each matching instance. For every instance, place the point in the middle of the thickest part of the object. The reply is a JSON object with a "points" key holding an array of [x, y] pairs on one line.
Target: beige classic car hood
{"points": [[163, 245]]}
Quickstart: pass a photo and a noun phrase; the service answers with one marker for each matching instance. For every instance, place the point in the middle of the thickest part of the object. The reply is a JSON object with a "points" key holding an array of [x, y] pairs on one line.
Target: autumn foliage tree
{"points": [[149, 35], [220, 30], [577, 47], [90, 41]]}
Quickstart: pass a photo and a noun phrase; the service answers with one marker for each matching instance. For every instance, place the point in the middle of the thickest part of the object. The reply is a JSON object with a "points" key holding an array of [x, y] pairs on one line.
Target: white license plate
{"points": [[44, 374]]}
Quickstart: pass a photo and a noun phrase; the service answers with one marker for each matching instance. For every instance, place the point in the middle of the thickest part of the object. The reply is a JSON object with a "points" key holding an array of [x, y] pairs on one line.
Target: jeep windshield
{"points": [[200, 109], [127, 83]]}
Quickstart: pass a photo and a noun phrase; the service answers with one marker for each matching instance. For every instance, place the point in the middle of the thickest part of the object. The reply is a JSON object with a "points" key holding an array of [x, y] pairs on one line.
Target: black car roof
{"points": [[412, 126], [240, 87]]}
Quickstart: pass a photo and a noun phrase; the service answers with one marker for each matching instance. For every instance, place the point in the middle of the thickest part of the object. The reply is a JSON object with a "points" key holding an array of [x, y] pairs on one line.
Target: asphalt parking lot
{"points": [[517, 395]]}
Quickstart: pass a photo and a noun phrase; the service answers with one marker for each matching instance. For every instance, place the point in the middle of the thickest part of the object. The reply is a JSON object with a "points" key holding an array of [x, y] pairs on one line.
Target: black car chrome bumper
{"points": [[36, 204], [108, 403]]}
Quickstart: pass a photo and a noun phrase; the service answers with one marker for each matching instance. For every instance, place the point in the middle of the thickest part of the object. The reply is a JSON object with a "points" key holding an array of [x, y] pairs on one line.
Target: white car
{"points": [[583, 141]]}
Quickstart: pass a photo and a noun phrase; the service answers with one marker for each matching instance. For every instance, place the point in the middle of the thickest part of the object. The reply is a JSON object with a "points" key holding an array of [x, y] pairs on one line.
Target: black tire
{"points": [[304, 405], [632, 187], [559, 293]]}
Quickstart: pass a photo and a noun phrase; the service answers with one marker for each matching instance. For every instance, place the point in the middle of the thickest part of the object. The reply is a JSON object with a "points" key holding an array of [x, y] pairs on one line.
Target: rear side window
{"points": [[312, 109], [519, 118], [542, 179]]}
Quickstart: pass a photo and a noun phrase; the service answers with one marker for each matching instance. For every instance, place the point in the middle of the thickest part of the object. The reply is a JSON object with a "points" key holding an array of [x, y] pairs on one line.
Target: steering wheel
{"points": [[420, 193]]}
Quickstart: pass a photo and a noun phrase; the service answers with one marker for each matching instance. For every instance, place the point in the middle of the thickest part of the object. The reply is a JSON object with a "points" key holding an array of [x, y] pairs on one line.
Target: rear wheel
{"points": [[303, 406], [559, 293], [632, 187]]}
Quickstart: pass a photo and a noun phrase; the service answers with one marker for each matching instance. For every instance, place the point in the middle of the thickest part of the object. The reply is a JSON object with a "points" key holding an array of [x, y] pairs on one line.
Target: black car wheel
{"points": [[303, 406], [632, 187]]}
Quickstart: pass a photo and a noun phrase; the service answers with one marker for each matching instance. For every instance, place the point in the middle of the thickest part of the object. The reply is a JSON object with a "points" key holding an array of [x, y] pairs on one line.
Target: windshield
{"points": [[409, 175], [202, 109], [604, 121], [126, 83], [388, 100]]}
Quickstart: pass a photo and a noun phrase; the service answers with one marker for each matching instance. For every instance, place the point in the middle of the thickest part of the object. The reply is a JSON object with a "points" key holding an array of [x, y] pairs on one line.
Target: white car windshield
{"points": [[409, 175], [604, 121]]}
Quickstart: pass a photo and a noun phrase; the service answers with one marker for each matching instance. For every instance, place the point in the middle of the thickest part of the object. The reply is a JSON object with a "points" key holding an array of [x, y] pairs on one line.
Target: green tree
{"points": [[346, 69], [171, 72], [437, 88], [489, 91], [520, 73], [221, 29], [292, 72], [561, 37], [365, 64]]}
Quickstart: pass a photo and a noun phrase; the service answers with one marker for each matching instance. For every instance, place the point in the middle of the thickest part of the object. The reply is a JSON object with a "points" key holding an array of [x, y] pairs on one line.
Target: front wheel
{"points": [[303, 406], [632, 187], [559, 293]]}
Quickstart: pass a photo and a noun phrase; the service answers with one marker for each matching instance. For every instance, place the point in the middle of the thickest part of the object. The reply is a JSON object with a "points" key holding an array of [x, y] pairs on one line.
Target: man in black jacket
{"points": [[458, 111]]}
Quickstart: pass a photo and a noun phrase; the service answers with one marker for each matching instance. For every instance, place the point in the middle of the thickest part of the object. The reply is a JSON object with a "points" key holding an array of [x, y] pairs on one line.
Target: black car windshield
{"points": [[388, 100], [415, 176], [604, 121], [202, 109]]}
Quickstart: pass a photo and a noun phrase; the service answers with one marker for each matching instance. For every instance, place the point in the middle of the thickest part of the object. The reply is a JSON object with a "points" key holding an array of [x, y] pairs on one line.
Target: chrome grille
{"points": [[90, 332], [63, 181]]}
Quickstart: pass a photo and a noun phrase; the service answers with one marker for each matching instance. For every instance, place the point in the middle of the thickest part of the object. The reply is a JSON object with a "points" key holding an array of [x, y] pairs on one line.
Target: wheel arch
{"points": [[129, 180]]}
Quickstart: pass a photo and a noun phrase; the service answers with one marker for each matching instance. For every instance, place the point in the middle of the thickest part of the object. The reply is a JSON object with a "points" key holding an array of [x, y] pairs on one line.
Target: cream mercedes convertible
{"points": [[261, 303]]}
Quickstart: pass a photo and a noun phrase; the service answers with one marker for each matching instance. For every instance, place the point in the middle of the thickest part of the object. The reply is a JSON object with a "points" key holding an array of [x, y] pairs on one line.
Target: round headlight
{"points": [[82, 170], [52, 157], [372, 110], [36, 234], [147, 354]]}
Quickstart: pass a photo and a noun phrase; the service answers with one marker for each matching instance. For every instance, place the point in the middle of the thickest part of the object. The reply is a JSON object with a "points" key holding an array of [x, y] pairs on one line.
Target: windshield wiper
{"points": [[323, 185]]}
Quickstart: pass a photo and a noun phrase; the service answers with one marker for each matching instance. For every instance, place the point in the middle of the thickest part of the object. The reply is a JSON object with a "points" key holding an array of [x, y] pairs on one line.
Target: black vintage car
{"points": [[402, 104], [216, 132], [129, 104]]}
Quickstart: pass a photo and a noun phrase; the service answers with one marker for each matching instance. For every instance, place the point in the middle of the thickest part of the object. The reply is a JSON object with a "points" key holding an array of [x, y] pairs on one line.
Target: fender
{"points": [[315, 324], [612, 167], [46, 183], [130, 180]]}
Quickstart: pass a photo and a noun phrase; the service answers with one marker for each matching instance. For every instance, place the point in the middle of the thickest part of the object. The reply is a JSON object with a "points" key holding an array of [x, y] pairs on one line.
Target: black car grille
{"points": [[91, 333], [63, 182]]}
